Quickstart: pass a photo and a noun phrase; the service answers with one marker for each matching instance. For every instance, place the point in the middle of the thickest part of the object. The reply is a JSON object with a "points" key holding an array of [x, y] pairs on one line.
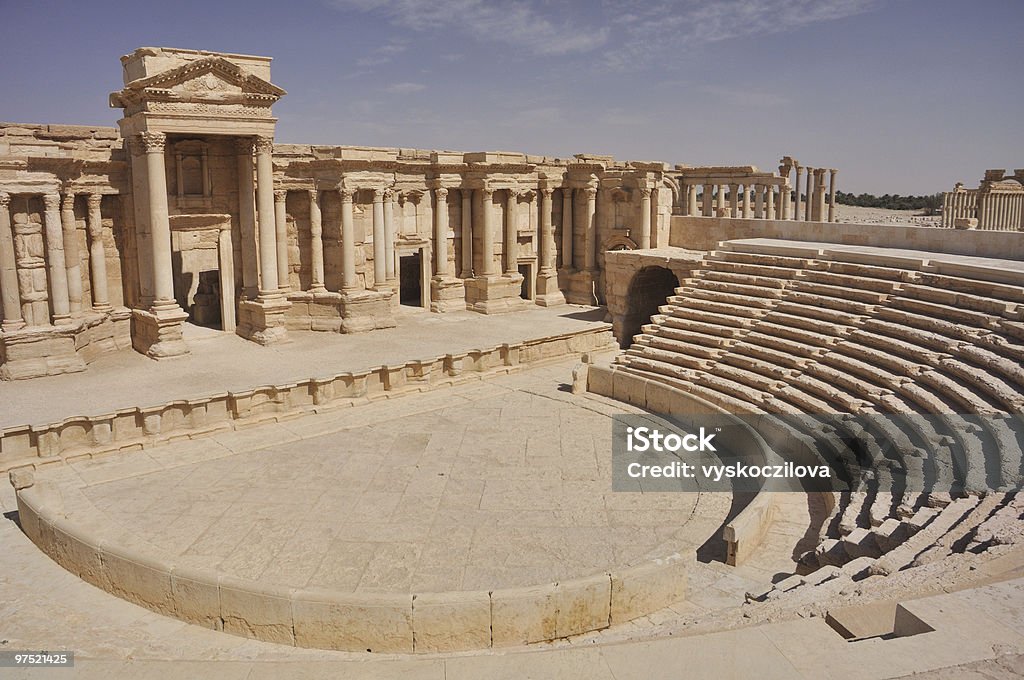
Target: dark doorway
{"points": [[525, 288], [206, 301], [648, 290], [410, 280]]}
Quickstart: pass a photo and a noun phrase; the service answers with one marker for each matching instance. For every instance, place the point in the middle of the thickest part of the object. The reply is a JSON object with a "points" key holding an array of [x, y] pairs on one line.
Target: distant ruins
{"points": [[997, 203]]}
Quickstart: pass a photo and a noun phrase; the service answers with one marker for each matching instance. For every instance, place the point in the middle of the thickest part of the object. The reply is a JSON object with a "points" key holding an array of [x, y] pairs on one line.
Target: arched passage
{"points": [[647, 291]]}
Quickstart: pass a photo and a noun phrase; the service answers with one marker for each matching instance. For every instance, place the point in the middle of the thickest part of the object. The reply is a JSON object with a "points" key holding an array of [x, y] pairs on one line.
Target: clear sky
{"points": [[903, 96]]}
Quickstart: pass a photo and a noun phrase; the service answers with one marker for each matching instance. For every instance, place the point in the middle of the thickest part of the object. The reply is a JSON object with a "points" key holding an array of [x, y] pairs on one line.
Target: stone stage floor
{"points": [[482, 486]]}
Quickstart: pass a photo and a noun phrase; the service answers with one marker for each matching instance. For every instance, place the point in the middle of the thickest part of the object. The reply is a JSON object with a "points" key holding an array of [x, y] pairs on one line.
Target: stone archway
{"points": [[648, 290]]}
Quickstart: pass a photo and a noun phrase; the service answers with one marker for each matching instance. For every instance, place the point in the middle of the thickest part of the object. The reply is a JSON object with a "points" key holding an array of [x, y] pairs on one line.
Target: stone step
{"points": [[903, 555], [946, 313], [847, 281], [959, 300], [841, 292]]}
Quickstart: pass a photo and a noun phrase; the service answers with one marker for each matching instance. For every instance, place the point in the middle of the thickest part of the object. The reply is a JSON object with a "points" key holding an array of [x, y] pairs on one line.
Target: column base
{"points": [[447, 294], [367, 310], [156, 332], [548, 292], [579, 287], [263, 320], [496, 294]]}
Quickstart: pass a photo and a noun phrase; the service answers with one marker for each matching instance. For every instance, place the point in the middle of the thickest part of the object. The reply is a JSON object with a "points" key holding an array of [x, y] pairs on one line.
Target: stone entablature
{"points": [[997, 203]]}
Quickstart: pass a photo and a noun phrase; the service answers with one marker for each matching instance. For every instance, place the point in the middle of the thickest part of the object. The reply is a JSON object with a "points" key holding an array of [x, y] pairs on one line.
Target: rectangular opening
{"points": [[883, 620], [526, 288], [410, 280]]}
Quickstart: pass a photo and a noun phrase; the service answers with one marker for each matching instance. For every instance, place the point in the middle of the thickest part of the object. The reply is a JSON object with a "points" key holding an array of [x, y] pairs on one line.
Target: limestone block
{"points": [[628, 388], [77, 551], [22, 478], [599, 380], [520, 616], [446, 622], [196, 596], [660, 398], [137, 578], [647, 587], [376, 622], [583, 605], [261, 612]]}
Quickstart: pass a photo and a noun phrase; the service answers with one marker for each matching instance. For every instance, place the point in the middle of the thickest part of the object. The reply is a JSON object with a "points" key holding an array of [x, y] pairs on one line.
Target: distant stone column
{"points": [[819, 198], [759, 201], [281, 227], [784, 199], [487, 237], [72, 261], [511, 240], [707, 196], [247, 217], [441, 231], [226, 256], [316, 243], [796, 191], [547, 234], [691, 199], [97, 254], [55, 259], [568, 230], [747, 207], [9, 294], [645, 218], [809, 199], [269, 281], [734, 200], [590, 252], [380, 251], [467, 232], [769, 194], [684, 198], [720, 207], [349, 281], [832, 195], [390, 270]]}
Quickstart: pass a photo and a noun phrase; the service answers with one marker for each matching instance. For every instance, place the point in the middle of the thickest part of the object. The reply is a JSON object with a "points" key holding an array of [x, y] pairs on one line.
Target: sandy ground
{"points": [[852, 213]]}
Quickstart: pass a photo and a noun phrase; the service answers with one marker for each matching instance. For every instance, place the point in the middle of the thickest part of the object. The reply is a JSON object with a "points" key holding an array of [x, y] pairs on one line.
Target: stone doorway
{"points": [[648, 290], [202, 269], [410, 279], [528, 287]]}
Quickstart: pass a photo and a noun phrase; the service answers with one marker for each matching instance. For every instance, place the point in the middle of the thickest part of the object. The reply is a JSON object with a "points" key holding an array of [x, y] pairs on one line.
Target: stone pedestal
{"points": [[548, 292], [263, 320], [36, 351], [579, 288], [447, 294], [156, 332], [495, 294], [366, 310]]}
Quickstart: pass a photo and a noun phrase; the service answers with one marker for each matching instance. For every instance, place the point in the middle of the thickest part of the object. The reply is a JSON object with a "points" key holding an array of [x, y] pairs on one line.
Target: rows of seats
{"points": [[921, 368]]}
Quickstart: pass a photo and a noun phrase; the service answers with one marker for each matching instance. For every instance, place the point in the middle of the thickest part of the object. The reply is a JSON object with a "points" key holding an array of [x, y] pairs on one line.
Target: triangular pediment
{"points": [[210, 75]]}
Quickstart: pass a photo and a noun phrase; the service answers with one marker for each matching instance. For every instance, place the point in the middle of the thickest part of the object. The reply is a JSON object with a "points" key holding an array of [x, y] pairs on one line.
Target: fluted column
{"points": [[441, 232], [9, 295], [380, 251], [796, 191], [691, 199], [72, 260], [487, 236], [389, 237], [645, 218], [269, 281], [97, 255], [349, 281], [568, 229], [55, 259], [832, 195], [281, 230], [819, 198], [316, 243], [467, 232], [247, 217], [511, 228], [590, 242], [809, 198]]}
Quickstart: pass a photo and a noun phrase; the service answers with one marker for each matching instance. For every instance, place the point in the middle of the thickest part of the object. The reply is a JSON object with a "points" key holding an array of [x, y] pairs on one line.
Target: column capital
{"points": [[378, 195], [313, 192], [591, 192], [264, 145], [94, 200], [5, 199], [346, 194], [546, 192], [487, 192], [152, 142], [244, 145], [52, 201], [645, 192], [567, 190], [280, 195], [441, 192], [67, 201], [389, 194], [833, 171]]}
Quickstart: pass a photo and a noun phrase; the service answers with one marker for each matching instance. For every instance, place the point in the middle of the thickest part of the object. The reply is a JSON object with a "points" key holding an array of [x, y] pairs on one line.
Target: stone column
{"points": [[349, 280], [784, 199], [707, 209], [568, 228], [684, 198], [769, 195], [809, 199], [759, 201], [380, 251], [645, 218], [590, 252], [748, 209], [226, 258], [9, 294], [389, 238], [97, 255], [269, 282], [548, 292], [441, 231], [832, 195], [247, 217], [72, 261], [467, 232], [56, 261], [796, 191], [487, 234], [281, 229], [316, 243], [511, 236], [691, 199], [819, 197], [734, 200]]}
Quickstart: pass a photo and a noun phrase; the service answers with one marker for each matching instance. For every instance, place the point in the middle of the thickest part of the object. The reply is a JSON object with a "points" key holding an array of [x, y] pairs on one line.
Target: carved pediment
{"points": [[211, 80]]}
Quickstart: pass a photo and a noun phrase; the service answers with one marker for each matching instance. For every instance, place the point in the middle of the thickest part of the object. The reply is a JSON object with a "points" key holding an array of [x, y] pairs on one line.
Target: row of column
{"points": [[759, 198], [64, 268], [1000, 211], [959, 204]]}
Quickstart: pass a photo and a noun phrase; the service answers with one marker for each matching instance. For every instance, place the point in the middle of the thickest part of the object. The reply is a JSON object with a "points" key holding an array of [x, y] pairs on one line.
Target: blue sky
{"points": [[903, 96]]}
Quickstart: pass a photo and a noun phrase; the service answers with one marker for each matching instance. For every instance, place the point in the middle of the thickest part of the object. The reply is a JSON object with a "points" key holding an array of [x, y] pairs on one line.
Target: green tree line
{"points": [[931, 203]]}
